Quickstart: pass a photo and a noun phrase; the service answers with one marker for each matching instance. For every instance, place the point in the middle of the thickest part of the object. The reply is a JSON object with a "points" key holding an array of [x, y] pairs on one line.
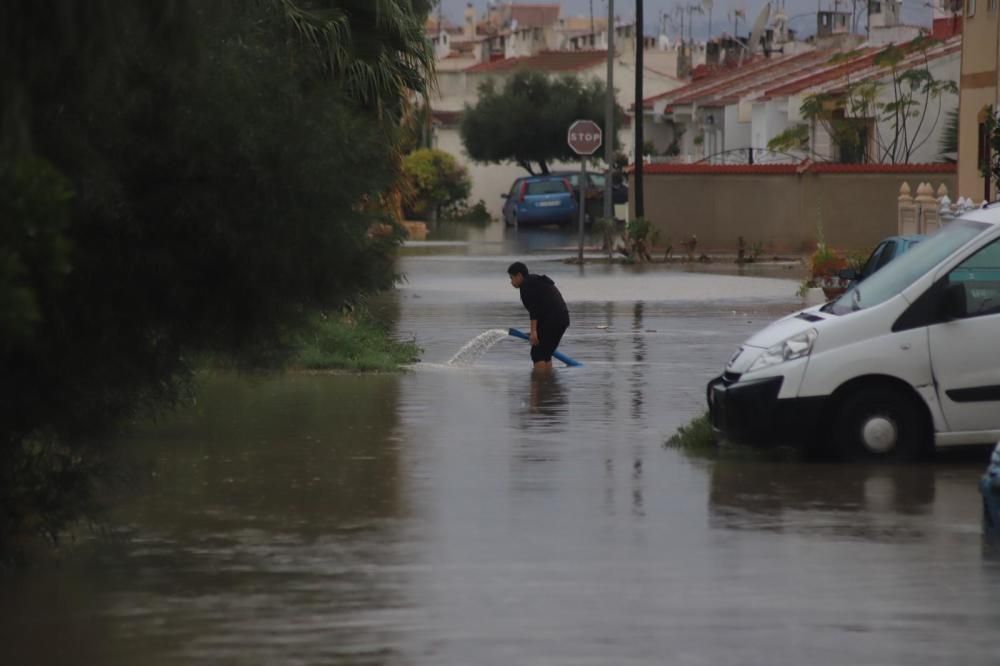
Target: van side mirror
{"points": [[955, 305], [848, 274]]}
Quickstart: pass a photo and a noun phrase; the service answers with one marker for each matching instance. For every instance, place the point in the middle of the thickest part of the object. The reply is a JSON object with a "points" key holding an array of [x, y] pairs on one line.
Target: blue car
{"points": [[540, 200], [888, 249]]}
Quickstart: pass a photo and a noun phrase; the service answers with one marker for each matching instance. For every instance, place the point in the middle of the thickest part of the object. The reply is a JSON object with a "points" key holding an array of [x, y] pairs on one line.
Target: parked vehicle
{"points": [[887, 249], [540, 200], [901, 362], [595, 186]]}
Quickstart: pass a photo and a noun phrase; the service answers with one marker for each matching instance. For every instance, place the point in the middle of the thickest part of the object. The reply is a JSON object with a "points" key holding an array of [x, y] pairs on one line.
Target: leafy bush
{"points": [[697, 435], [352, 342], [434, 182], [476, 213]]}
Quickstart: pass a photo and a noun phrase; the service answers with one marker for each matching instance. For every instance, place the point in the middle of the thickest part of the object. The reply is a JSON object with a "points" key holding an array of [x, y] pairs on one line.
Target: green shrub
{"points": [[435, 182], [695, 436], [356, 343]]}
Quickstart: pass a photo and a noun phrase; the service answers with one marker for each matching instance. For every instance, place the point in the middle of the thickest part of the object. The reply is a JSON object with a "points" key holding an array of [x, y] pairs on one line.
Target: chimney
{"points": [[469, 28]]}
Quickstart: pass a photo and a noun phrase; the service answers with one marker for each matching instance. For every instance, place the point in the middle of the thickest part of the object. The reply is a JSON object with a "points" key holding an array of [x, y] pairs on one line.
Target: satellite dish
{"points": [[758, 28]]}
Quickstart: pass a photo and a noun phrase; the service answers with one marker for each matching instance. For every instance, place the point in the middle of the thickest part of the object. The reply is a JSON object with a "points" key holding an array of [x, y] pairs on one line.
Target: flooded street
{"points": [[484, 516]]}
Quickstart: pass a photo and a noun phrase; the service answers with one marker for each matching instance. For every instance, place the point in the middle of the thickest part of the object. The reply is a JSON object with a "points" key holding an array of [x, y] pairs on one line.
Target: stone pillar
{"points": [[928, 220], [945, 211], [907, 215]]}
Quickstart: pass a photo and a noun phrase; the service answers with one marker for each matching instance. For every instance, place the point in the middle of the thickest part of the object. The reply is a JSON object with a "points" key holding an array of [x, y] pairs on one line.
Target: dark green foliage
{"points": [[177, 181], [949, 137], [526, 121]]}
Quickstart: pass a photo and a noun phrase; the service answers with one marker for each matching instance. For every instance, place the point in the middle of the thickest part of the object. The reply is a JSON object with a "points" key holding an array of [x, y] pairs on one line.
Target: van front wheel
{"points": [[879, 423]]}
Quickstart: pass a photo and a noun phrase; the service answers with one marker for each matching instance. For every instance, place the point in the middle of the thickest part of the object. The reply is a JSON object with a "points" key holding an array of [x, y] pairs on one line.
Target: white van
{"points": [[904, 361]]}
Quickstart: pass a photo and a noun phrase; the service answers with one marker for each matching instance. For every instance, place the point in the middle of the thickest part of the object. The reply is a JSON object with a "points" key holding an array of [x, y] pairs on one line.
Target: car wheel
{"points": [[881, 424]]}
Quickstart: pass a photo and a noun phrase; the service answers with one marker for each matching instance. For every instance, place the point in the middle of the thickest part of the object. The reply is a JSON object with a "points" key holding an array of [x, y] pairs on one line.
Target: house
{"points": [[734, 114], [457, 88], [980, 86]]}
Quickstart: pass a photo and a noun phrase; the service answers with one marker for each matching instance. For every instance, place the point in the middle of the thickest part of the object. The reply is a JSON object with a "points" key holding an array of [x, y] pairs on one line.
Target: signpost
{"points": [[584, 138]]}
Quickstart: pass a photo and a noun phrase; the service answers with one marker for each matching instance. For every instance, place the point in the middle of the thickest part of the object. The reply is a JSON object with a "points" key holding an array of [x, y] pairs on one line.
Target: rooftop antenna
{"points": [[758, 29]]}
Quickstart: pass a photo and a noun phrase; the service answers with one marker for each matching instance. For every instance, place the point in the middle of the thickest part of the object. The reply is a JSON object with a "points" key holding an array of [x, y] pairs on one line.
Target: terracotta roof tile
{"points": [[863, 61], [750, 79]]}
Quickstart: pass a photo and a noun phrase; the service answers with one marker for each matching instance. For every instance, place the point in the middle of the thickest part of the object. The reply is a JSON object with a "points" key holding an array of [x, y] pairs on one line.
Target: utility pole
{"points": [[640, 208], [609, 117], [593, 31]]}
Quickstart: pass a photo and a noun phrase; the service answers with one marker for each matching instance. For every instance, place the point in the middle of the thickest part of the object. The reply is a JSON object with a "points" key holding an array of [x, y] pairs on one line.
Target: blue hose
{"points": [[559, 355]]}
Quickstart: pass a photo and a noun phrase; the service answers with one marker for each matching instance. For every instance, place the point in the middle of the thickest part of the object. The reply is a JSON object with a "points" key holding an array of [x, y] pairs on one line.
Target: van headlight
{"points": [[794, 347]]}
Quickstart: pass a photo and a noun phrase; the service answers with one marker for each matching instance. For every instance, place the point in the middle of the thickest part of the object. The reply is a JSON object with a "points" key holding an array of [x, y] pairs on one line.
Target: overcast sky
{"points": [[801, 12]]}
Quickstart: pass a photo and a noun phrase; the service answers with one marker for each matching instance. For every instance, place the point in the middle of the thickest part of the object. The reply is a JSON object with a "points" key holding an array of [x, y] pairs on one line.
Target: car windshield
{"points": [[593, 179], [900, 273], [546, 187]]}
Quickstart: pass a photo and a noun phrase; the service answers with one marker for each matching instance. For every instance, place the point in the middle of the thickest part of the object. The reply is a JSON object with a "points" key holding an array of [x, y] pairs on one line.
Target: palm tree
{"points": [[375, 48]]}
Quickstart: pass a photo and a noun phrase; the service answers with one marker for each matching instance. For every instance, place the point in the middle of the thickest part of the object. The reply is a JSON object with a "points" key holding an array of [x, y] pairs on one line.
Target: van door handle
{"points": [[904, 346]]}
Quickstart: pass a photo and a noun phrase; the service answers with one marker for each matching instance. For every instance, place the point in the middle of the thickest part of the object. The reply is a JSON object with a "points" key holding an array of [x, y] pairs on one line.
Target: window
{"points": [[970, 9], [546, 187], [875, 8], [980, 274], [991, 6], [902, 272]]}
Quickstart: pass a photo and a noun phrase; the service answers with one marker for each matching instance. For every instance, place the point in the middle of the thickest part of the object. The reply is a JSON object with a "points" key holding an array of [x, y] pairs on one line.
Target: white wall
{"points": [[737, 134], [944, 68]]}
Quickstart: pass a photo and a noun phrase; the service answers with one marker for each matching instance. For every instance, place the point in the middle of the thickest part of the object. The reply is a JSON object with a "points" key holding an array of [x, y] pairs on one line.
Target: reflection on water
{"points": [[856, 499], [495, 516], [548, 396]]}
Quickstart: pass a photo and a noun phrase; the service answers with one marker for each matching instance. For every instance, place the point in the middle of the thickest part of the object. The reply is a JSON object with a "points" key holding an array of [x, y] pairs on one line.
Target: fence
{"points": [[928, 211]]}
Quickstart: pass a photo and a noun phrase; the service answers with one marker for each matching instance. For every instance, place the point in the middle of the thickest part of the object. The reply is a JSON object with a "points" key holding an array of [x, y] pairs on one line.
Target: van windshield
{"points": [[900, 273]]}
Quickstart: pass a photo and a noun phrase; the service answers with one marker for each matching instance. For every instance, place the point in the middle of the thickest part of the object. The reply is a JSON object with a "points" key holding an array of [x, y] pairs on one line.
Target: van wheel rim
{"points": [[879, 434]]}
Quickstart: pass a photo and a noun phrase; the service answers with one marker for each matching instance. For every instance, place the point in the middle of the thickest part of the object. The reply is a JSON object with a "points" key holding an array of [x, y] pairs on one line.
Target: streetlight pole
{"points": [[609, 117], [640, 209]]}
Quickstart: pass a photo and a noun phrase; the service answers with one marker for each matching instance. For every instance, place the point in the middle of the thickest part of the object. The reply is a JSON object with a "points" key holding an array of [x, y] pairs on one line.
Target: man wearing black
{"points": [[547, 310]]}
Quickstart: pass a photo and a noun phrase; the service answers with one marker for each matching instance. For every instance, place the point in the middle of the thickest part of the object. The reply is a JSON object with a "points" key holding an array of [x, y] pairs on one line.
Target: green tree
{"points": [[948, 146], [178, 180], [886, 118], [525, 121]]}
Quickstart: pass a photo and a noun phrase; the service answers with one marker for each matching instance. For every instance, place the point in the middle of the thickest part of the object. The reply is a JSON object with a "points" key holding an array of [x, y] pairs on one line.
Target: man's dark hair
{"points": [[517, 267]]}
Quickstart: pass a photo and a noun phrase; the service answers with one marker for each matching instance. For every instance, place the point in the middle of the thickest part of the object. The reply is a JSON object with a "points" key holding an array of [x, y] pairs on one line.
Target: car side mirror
{"points": [[956, 306], [848, 274]]}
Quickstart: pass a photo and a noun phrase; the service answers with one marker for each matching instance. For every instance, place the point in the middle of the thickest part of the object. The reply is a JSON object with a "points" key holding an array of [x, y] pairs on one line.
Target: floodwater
{"points": [[482, 515]]}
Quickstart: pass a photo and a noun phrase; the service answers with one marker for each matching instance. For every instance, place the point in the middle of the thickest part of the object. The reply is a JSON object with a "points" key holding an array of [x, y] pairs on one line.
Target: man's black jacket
{"points": [[542, 299]]}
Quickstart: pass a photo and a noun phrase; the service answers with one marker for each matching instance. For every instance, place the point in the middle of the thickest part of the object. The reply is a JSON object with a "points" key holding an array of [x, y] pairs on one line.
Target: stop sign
{"points": [[584, 137]]}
